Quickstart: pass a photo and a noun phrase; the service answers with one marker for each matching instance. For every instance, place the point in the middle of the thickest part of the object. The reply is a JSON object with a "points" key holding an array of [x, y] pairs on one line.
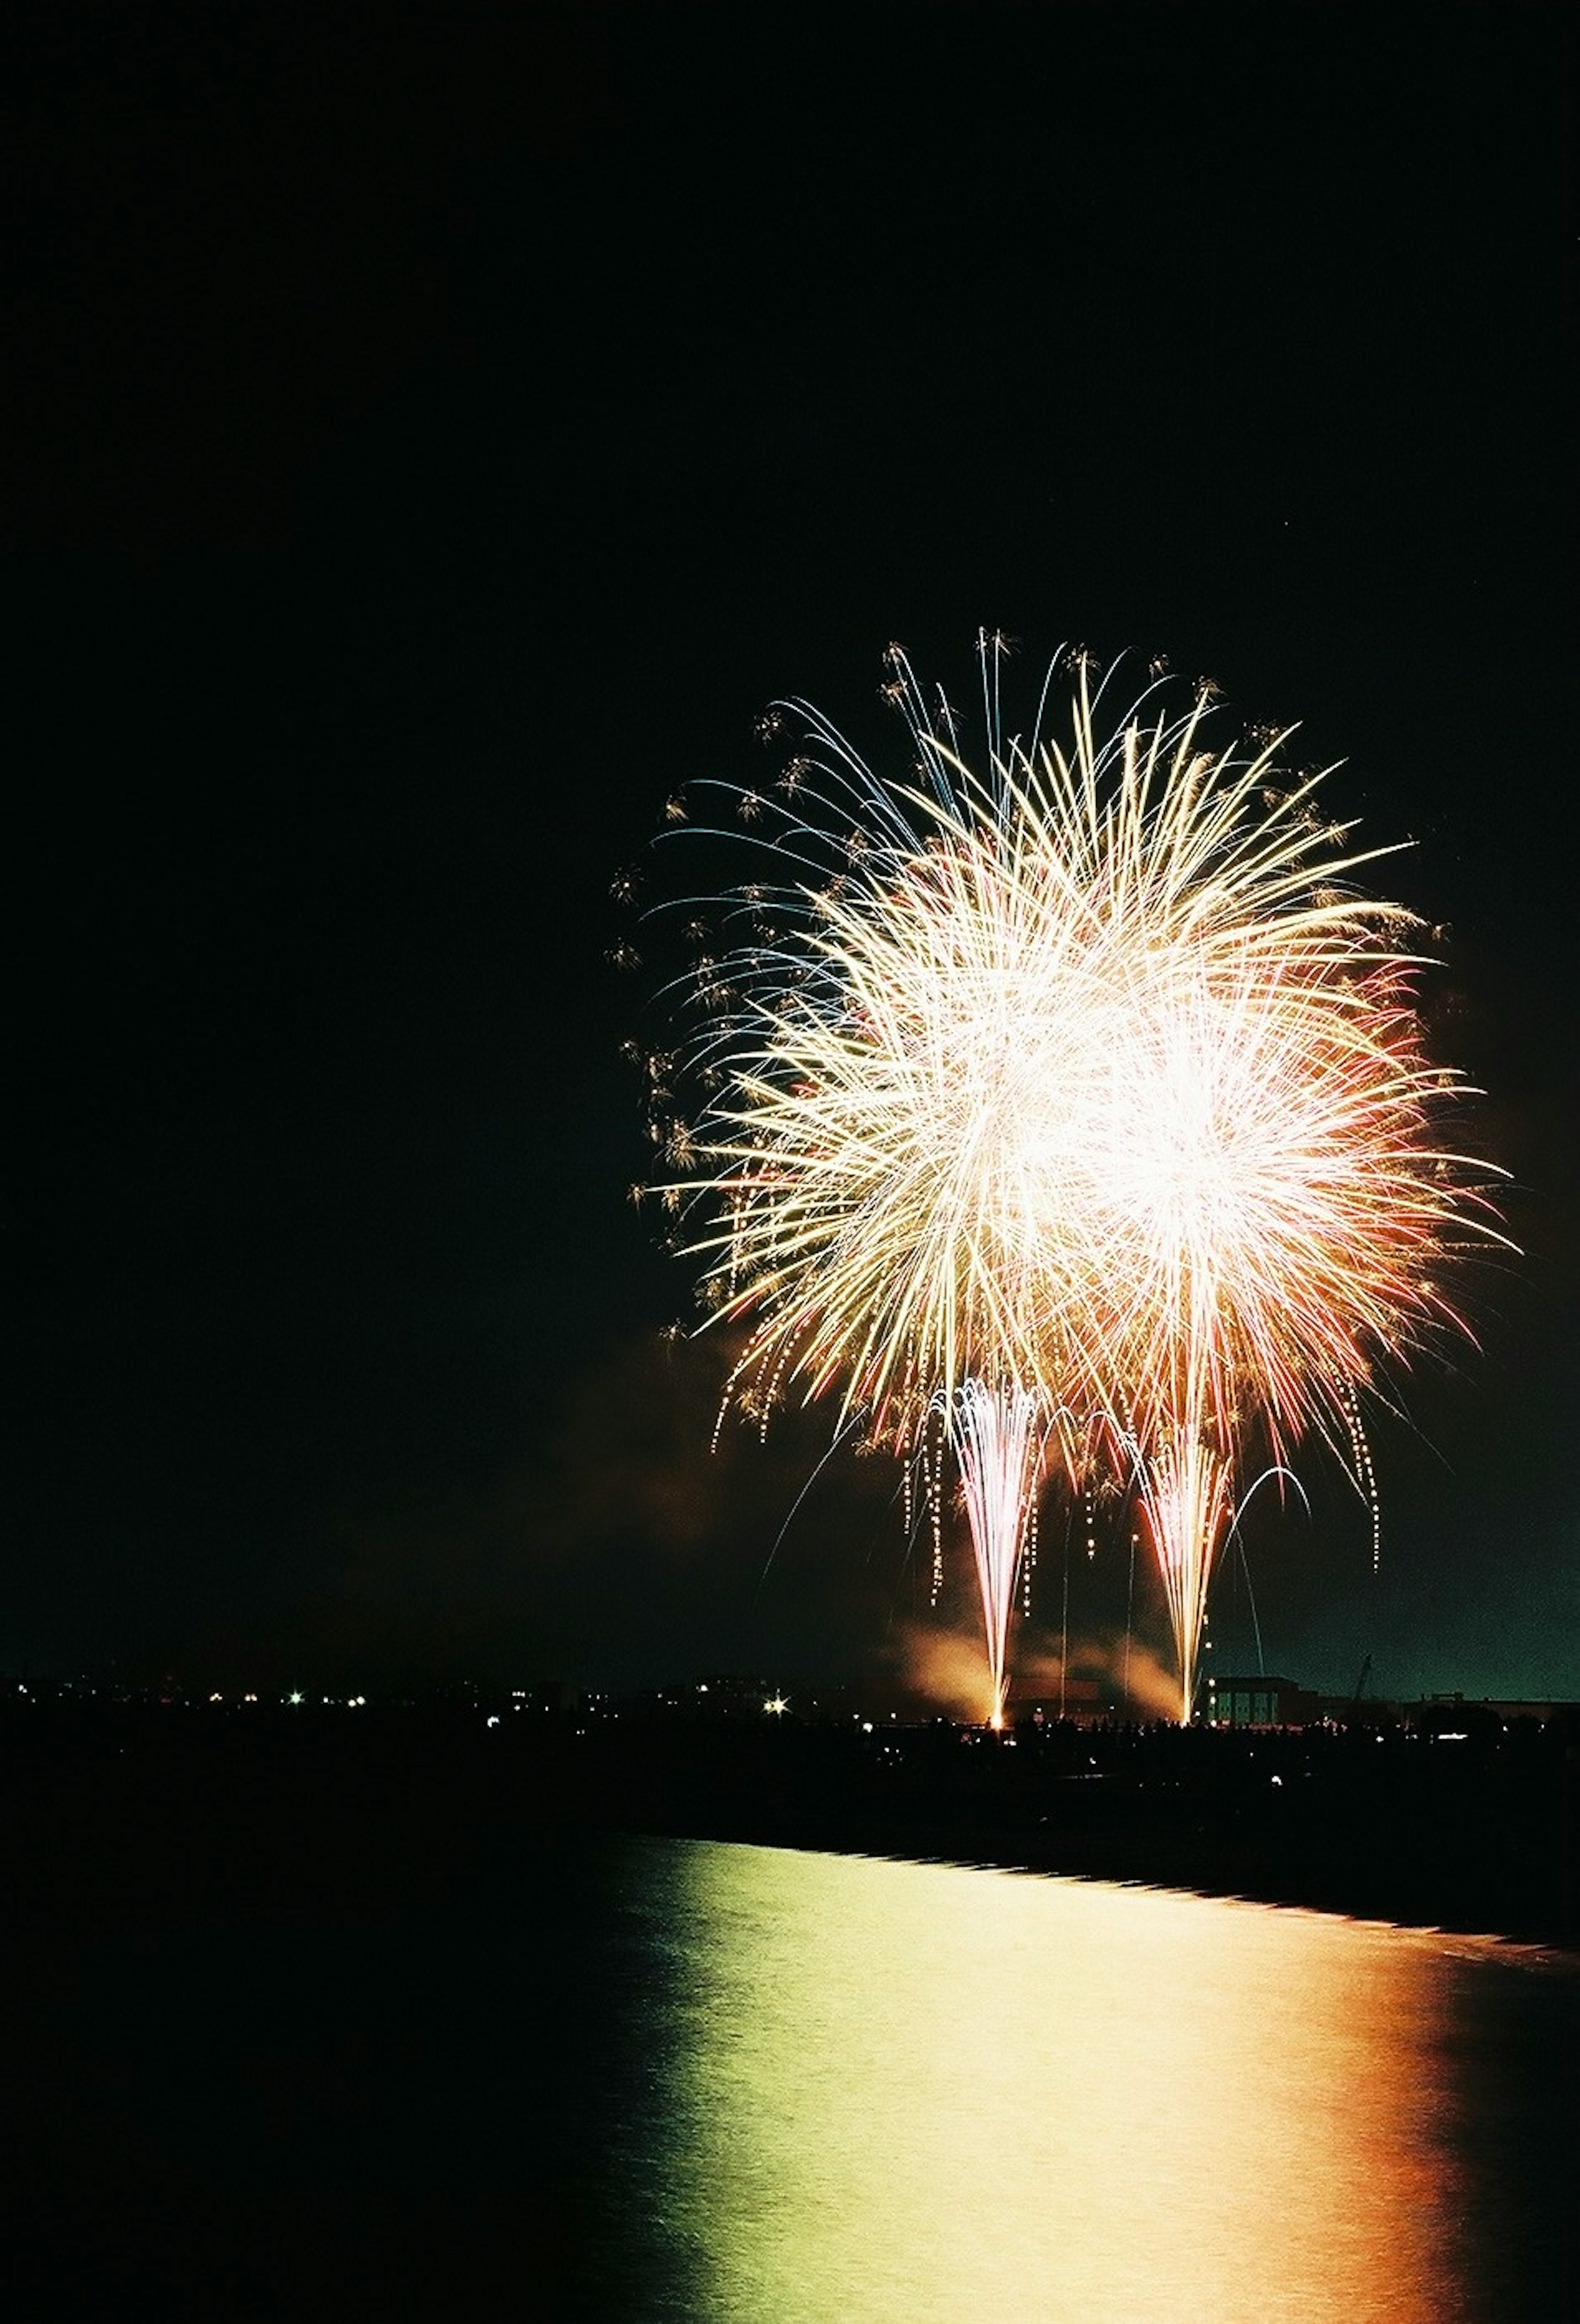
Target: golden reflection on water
{"points": [[903, 2093]]}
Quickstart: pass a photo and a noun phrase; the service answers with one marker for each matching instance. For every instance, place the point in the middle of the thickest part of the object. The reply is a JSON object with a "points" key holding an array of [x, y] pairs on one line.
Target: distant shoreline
{"points": [[143, 1813], [1473, 1847]]}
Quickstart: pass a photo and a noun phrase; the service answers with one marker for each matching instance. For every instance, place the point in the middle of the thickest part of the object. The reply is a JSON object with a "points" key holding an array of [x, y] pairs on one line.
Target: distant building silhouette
{"points": [[1265, 1701]]}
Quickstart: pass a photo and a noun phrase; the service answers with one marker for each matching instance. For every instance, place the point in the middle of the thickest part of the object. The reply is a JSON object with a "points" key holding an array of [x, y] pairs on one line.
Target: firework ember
{"points": [[1064, 1106]]}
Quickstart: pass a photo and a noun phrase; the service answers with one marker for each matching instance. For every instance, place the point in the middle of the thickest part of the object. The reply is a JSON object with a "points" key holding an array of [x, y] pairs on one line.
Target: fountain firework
{"points": [[1068, 1105]]}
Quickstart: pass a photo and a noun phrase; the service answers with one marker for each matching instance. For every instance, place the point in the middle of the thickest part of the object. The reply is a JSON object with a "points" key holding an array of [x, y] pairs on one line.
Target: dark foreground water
{"points": [[623, 2079]]}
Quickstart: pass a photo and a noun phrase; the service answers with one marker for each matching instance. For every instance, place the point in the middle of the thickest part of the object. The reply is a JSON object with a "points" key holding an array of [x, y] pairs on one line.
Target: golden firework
{"points": [[1077, 1097]]}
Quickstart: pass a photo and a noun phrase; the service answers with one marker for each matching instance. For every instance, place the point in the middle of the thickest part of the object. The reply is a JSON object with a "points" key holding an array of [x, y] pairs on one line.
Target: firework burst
{"points": [[1070, 1104]]}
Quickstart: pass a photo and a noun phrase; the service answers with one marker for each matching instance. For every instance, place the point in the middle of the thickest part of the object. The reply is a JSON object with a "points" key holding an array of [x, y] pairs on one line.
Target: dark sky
{"points": [[426, 445]]}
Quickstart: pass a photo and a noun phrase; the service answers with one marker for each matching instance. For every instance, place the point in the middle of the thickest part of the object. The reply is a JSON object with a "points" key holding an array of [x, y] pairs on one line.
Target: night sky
{"points": [[426, 446]]}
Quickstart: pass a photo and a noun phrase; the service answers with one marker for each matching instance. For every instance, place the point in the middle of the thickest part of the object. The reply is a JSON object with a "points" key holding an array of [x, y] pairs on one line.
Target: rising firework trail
{"points": [[1064, 1105]]}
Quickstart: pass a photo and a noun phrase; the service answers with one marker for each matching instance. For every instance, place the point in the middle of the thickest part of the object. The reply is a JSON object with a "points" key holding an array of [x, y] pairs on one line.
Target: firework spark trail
{"points": [[1081, 1081], [997, 1437]]}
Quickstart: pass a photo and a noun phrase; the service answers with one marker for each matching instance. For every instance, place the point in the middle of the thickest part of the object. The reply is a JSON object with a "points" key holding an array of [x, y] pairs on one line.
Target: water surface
{"points": [[884, 2090], [603, 2080]]}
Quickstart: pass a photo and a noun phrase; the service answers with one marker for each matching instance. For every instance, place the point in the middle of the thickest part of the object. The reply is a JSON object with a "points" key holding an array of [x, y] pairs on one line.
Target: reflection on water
{"points": [[886, 2093], [647, 2081]]}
